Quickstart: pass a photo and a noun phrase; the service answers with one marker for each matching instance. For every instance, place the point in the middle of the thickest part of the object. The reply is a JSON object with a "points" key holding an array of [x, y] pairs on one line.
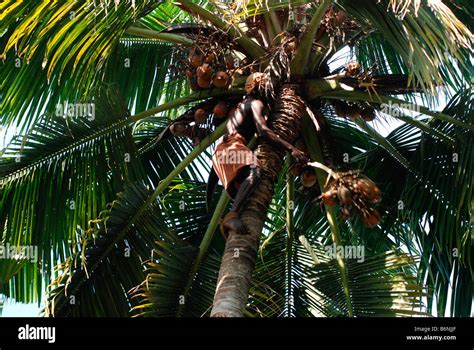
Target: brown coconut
{"points": [[329, 198], [200, 116], [204, 71], [221, 79], [369, 190], [308, 177], [296, 169], [368, 114], [195, 59], [204, 83], [210, 57], [220, 110]]}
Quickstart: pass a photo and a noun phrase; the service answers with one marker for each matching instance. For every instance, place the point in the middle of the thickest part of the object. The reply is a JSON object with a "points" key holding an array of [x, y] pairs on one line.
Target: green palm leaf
{"points": [[61, 175], [378, 287], [415, 37]]}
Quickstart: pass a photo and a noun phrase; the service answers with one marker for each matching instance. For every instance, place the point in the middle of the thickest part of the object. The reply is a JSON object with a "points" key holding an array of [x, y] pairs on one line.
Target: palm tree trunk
{"points": [[240, 252]]}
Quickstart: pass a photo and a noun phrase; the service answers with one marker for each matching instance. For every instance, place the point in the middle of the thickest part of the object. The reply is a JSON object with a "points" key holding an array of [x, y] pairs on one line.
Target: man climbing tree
{"points": [[86, 191], [233, 162]]}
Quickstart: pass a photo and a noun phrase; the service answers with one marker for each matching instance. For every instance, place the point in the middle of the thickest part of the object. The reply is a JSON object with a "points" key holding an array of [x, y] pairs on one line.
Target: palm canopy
{"points": [[116, 205]]}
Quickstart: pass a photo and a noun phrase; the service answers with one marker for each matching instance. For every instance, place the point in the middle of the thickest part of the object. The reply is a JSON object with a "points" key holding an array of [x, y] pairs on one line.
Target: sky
{"points": [[12, 309]]}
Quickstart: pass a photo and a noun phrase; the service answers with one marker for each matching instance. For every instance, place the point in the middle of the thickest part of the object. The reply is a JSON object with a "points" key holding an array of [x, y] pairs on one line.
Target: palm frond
{"points": [[59, 176], [379, 286], [33, 42], [423, 201], [161, 294], [110, 258], [444, 212], [95, 280], [429, 33]]}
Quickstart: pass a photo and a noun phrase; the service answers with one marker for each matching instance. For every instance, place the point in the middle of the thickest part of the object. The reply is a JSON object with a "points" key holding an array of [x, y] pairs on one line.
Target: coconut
{"points": [[308, 177], [195, 59], [344, 195], [200, 116], [189, 73], [341, 109], [220, 110], [353, 111], [204, 83], [204, 71], [221, 79], [210, 57], [368, 114]]}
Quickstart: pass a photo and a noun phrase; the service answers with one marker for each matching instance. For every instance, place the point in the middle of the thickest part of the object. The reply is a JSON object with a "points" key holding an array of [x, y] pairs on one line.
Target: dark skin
{"points": [[249, 118]]}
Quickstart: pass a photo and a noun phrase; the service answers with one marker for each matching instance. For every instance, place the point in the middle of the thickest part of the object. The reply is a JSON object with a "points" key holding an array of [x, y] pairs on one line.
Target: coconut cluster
{"points": [[355, 193], [197, 123], [219, 111], [185, 129], [211, 68], [352, 110], [339, 26]]}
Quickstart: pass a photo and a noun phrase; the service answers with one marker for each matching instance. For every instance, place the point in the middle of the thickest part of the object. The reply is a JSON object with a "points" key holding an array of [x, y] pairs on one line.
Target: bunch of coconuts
{"points": [[306, 173], [205, 70], [220, 111], [198, 128], [353, 110], [354, 193]]}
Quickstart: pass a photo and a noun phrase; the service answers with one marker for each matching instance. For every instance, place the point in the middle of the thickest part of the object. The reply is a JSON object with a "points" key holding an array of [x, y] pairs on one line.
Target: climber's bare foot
{"points": [[232, 222]]}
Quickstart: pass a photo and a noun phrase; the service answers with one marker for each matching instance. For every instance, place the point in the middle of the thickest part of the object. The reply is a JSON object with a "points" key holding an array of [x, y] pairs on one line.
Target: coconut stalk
{"points": [[299, 63], [167, 37], [316, 154]]}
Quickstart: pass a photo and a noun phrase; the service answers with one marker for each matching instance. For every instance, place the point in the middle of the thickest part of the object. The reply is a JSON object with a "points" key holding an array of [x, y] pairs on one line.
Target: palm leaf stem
{"points": [[168, 37], [299, 63], [316, 154]]}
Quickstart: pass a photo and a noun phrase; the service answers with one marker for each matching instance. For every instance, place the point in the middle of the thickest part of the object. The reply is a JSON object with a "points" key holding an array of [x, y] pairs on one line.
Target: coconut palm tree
{"points": [[106, 172]]}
